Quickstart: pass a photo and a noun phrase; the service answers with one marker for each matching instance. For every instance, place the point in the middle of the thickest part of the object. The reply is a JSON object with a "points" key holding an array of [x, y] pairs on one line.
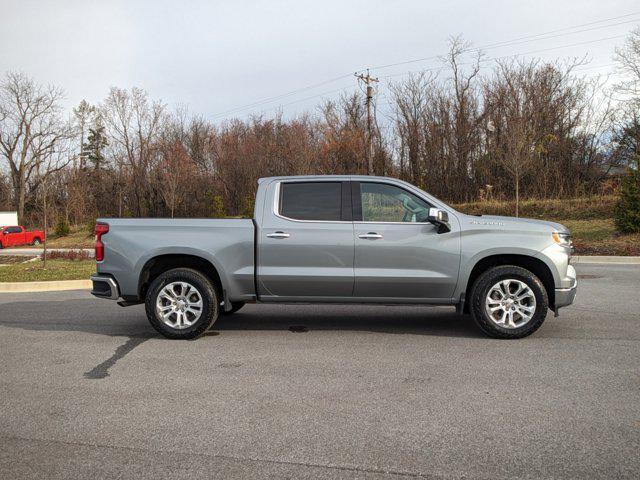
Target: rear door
{"points": [[399, 254], [305, 242]]}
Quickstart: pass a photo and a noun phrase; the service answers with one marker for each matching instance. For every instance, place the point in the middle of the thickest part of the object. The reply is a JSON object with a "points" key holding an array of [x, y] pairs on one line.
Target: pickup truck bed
{"points": [[135, 246]]}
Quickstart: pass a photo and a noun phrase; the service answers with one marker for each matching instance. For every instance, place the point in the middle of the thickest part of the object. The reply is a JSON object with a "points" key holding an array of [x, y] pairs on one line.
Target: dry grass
{"points": [[583, 208], [11, 259], [78, 238], [56, 270]]}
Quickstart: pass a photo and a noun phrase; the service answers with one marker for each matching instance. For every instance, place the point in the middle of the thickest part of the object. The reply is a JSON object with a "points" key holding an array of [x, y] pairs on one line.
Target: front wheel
{"points": [[182, 304], [508, 302]]}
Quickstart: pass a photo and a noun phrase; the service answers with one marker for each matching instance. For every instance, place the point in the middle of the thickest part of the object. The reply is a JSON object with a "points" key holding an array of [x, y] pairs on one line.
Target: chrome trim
{"points": [[371, 236], [278, 235], [115, 291], [394, 223]]}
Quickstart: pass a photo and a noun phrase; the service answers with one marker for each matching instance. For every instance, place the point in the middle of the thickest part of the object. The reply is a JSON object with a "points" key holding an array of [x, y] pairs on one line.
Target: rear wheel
{"points": [[182, 304], [235, 306], [508, 302], [36, 241]]}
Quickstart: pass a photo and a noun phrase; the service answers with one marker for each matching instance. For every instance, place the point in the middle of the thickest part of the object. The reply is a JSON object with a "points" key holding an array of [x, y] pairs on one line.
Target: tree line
{"points": [[524, 129]]}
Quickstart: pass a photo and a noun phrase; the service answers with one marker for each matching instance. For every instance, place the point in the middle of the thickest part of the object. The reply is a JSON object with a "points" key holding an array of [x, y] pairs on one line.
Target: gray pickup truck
{"points": [[337, 239]]}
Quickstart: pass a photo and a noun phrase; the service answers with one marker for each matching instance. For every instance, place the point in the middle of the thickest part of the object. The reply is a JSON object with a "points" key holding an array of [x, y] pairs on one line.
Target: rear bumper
{"points": [[105, 287]]}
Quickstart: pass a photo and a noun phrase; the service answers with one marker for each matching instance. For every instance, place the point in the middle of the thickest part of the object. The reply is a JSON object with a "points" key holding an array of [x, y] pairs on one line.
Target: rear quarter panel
{"points": [[226, 244]]}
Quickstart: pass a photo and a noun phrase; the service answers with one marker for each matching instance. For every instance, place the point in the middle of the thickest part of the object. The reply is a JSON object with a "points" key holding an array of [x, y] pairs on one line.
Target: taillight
{"points": [[101, 229]]}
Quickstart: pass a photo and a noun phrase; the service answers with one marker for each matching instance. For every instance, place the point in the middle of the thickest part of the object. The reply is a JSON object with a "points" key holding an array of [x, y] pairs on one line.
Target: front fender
{"points": [[469, 262]]}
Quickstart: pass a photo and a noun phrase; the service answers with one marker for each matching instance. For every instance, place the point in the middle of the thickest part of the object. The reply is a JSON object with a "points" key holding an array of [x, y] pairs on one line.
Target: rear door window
{"points": [[311, 200]]}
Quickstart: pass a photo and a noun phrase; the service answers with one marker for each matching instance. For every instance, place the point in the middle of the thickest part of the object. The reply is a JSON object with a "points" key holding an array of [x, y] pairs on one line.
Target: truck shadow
{"points": [[106, 318], [397, 319]]}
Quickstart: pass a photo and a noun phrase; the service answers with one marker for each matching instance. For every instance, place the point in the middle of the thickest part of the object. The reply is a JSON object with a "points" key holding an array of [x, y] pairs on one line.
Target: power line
{"points": [[511, 56], [278, 97], [342, 89], [520, 40]]}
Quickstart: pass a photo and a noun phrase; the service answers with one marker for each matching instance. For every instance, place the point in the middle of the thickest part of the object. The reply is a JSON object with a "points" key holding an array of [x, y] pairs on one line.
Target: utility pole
{"points": [[368, 80]]}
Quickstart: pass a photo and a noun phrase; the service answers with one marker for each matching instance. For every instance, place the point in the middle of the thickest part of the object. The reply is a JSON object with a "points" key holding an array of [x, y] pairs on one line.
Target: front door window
{"points": [[387, 203]]}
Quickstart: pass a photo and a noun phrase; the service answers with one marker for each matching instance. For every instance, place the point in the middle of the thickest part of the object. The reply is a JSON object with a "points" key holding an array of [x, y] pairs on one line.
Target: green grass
{"points": [[56, 270], [591, 230]]}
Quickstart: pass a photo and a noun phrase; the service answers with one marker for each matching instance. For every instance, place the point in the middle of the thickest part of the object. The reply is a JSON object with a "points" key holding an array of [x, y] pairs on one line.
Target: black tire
{"points": [[491, 277], [208, 293], [235, 306], [36, 241], [1, 247]]}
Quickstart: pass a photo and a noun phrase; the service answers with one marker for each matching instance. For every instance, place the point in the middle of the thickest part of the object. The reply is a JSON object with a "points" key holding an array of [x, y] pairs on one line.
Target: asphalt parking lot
{"points": [[88, 390]]}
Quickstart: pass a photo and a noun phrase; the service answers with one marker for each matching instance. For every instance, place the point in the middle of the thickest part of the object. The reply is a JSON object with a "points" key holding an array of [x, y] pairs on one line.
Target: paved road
{"points": [[87, 390]]}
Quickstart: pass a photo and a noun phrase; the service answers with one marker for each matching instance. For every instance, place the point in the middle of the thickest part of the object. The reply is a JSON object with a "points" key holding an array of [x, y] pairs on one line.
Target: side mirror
{"points": [[440, 218]]}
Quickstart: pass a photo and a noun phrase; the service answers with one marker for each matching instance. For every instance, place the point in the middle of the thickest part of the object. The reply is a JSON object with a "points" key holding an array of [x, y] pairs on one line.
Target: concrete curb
{"points": [[53, 286], [603, 259]]}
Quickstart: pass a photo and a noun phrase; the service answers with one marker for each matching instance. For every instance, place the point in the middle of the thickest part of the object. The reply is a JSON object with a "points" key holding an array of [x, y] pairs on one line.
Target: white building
{"points": [[8, 218]]}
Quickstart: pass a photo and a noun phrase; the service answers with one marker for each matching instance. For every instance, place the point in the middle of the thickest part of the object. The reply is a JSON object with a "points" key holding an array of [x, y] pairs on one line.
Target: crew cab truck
{"points": [[337, 239], [17, 235]]}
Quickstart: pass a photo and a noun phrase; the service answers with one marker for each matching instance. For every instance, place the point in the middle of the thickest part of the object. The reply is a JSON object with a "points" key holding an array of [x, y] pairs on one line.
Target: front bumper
{"points": [[565, 296], [105, 287]]}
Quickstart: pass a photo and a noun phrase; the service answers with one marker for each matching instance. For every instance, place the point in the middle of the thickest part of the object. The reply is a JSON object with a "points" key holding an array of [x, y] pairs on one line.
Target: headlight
{"points": [[563, 239]]}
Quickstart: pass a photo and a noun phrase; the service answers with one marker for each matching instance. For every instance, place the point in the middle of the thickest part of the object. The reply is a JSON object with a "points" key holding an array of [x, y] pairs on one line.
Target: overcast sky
{"points": [[213, 56]]}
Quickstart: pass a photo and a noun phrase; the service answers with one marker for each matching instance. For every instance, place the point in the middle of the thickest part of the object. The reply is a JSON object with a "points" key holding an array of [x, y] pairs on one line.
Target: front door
{"points": [[14, 236], [399, 255], [305, 243]]}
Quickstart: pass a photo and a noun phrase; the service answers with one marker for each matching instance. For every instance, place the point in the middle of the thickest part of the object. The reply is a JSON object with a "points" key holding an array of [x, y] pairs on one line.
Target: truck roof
{"points": [[325, 177]]}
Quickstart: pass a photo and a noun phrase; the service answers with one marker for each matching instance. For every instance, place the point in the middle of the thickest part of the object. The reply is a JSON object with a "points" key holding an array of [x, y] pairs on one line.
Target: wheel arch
{"points": [[159, 264], [535, 265]]}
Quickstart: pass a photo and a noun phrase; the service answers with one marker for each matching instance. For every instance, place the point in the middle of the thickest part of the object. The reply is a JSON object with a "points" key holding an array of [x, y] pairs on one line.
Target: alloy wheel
{"points": [[179, 305], [510, 303]]}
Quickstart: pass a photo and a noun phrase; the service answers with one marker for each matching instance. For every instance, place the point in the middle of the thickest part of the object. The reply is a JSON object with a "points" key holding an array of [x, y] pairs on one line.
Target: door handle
{"points": [[278, 235], [370, 236]]}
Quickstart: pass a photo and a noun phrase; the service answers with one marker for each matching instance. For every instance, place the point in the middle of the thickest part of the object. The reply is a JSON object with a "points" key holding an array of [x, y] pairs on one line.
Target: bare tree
{"points": [[511, 133], [627, 59], [31, 131], [411, 100], [175, 173], [133, 123]]}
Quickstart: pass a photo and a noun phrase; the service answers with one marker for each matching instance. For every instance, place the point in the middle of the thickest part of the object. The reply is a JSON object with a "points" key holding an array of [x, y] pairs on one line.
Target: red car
{"points": [[15, 236]]}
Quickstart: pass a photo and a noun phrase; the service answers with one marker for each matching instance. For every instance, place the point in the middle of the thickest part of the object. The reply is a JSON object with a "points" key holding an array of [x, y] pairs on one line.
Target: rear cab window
{"points": [[313, 201]]}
